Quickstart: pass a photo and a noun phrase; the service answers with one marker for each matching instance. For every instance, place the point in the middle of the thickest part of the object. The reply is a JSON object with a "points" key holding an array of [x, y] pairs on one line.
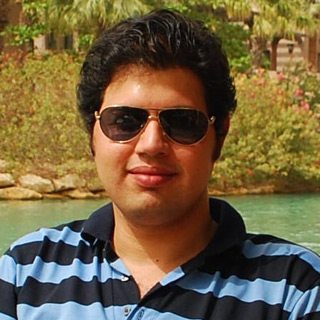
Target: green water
{"points": [[294, 217]]}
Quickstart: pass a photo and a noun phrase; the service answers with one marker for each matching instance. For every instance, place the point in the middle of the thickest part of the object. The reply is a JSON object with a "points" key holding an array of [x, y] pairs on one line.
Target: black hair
{"points": [[160, 40]]}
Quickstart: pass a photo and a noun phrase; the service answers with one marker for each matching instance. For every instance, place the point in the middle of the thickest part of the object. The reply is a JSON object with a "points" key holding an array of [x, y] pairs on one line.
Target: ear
{"points": [[92, 148], [223, 134]]}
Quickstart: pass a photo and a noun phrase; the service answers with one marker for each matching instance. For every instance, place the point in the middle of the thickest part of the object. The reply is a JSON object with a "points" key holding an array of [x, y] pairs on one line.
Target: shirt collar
{"points": [[228, 238], [100, 225], [230, 233]]}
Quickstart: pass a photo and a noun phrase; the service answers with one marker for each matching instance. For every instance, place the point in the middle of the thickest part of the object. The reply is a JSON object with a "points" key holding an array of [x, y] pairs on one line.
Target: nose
{"points": [[152, 141]]}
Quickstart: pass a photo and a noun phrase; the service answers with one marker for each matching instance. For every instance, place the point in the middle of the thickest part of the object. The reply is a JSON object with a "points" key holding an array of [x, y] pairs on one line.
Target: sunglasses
{"points": [[182, 125]]}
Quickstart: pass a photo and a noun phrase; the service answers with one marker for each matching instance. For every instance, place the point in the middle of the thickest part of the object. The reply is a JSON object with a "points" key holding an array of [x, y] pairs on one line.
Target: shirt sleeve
{"points": [[8, 299]]}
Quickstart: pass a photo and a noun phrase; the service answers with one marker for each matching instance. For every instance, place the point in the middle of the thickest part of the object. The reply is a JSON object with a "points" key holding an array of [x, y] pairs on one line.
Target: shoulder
{"points": [[282, 260], [45, 241], [262, 245], [270, 274], [293, 268]]}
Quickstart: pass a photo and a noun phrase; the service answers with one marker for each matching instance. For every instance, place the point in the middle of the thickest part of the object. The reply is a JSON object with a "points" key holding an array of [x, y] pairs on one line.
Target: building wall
{"points": [[314, 51], [291, 52], [3, 19]]}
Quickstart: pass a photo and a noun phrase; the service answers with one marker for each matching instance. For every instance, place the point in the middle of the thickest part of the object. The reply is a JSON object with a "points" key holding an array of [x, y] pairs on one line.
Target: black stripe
{"points": [[7, 299], [194, 305], [296, 271], [112, 292], [59, 252], [75, 226], [311, 316]]}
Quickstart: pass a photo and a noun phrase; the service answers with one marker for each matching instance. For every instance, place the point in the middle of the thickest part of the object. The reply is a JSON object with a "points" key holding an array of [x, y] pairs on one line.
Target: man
{"points": [[156, 95]]}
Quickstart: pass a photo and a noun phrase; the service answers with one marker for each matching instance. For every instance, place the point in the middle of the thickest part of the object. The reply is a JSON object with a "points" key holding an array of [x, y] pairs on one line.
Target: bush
{"points": [[38, 117], [303, 86], [272, 140]]}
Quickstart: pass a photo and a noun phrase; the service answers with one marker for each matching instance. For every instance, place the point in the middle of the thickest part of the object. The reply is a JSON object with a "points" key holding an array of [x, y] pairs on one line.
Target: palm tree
{"points": [[273, 20], [91, 15]]}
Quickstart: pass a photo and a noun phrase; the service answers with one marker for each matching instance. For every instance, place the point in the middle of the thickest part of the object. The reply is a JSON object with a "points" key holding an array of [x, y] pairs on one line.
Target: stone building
{"points": [[291, 52]]}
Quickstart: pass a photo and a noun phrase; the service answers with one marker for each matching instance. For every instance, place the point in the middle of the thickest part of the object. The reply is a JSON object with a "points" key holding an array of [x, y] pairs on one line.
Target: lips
{"points": [[151, 177]]}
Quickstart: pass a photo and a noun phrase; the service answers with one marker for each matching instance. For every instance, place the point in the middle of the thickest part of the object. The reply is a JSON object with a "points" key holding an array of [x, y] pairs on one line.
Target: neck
{"points": [[164, 246]]}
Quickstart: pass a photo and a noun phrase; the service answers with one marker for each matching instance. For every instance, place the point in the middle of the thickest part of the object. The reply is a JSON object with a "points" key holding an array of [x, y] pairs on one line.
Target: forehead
{"points": [[155, 88]]}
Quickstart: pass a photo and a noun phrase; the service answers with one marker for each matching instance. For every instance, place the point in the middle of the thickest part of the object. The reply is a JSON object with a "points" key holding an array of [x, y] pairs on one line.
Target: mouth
{"points": [[151, 177]]}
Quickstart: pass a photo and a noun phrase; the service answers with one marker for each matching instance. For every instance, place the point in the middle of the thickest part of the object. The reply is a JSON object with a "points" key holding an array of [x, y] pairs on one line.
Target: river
{"points": [[295, 217]]}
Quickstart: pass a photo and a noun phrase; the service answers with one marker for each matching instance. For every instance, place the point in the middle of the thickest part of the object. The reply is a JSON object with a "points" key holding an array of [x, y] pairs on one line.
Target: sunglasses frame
{"points": [[97, 116]]}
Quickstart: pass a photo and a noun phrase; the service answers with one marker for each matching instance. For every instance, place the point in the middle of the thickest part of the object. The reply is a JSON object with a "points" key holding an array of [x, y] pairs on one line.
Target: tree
{"points": [[91, 16], [272, 20], [86, 18]]}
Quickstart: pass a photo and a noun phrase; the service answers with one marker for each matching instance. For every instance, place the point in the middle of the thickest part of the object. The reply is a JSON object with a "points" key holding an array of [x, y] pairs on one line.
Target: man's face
{"points": [[151, 179]]}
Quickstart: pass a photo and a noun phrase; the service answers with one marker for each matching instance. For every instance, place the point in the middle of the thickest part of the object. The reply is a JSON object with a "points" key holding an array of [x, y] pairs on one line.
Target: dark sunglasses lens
{"points": [[184, 126], [122, 123]]}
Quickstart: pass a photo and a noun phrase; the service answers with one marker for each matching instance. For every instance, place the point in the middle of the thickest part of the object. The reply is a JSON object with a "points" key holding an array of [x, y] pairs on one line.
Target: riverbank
{"points": [[35, 187]]}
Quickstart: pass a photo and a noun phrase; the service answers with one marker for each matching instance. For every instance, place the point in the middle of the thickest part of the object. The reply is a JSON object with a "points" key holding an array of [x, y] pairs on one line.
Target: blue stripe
{"points": [[308, 303], [66, 235], [54, 273], [120, 267], [172, 276], [69, 310], [270, 292], [75, 311], [7, 269], [51, 272], [251, 250], [5, 317]]}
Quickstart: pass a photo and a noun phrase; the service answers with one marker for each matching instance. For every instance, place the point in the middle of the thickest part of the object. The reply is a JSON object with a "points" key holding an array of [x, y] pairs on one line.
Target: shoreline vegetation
{"points": [[273, 145]]}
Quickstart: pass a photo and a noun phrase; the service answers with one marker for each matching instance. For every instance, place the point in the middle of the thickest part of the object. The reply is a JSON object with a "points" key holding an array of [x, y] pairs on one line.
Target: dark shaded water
{"points": [[294, 217]]}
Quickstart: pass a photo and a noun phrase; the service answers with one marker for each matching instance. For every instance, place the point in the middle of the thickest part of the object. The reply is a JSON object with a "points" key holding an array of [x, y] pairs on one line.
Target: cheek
{"points": [[109, 165], [100, 144], [196, 162], [102, 151], [109, 157]]}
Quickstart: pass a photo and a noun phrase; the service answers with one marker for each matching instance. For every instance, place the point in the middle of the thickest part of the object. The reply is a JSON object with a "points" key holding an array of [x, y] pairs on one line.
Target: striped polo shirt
{"points": [[71, 273]]}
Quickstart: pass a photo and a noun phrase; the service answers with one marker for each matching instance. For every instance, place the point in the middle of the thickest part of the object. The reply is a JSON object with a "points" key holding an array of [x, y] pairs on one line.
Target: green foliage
{"points": [[85, 42], [271, 140], [235, 39], [38, 117], [191, 8]]}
